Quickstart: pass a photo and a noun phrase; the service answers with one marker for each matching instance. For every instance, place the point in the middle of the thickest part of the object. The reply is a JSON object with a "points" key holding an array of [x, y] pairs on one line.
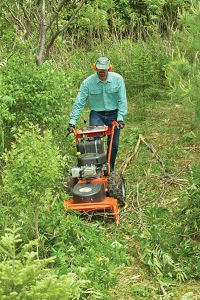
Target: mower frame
{"points": [[108, 203]]}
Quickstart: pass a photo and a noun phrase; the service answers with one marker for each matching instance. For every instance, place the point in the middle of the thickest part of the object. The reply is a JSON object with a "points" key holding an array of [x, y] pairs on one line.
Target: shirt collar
{"points": [[109, 77], [107, 80]]}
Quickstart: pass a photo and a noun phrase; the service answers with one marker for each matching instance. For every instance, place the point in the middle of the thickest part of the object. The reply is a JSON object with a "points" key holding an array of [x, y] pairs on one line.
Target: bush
{"points": [[183, 72], [191, 210], [31, 173], [40, 95], [24, 276]]}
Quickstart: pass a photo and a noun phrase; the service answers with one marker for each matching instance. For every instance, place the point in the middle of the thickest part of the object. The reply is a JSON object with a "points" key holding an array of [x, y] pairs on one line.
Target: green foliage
{"points": [[142, 66], [166, 247], [31, 172], [189, 136], [127, 18], [81, 247], [88, 256], [84, 246], [187, 296], [94, 21], [190, 212], [24, 276], [158, 245], [31, 94], [31, 167], [184, 71]]}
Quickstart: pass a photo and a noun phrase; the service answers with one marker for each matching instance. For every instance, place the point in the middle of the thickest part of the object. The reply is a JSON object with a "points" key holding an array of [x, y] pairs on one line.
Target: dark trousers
{"points": [[106, 118]]}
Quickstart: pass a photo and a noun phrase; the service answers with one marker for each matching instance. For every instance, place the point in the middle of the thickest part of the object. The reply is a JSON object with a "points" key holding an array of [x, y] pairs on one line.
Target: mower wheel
{"points": [[116, 187], [69, 184]]}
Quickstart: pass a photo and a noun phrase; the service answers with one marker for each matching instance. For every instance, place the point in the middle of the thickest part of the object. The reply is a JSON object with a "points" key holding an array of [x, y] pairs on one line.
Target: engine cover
{"points": [[92, 146], [88, 193], [92, 159]]}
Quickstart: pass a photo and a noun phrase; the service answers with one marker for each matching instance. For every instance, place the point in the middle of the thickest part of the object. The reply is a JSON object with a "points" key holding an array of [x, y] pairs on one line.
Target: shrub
{"points": [[24, 276], [40, 95], [31, 173]]}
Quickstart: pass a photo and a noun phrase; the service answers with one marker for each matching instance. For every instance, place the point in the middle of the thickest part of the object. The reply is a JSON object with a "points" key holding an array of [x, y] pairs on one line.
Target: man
{"points": [[106, 95]]}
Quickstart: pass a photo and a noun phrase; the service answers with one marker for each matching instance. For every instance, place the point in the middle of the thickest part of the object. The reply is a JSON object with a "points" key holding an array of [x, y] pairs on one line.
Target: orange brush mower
{"points": [[92, 186]]}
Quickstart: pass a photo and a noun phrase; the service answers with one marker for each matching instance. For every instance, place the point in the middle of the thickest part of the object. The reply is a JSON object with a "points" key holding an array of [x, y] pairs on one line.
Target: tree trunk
{"points": [[45, 45], [42, 47], [36, 223]]}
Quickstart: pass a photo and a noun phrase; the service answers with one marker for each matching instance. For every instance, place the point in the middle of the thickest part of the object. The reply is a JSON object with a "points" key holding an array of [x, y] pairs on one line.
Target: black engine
{"points": [[92, 159]]}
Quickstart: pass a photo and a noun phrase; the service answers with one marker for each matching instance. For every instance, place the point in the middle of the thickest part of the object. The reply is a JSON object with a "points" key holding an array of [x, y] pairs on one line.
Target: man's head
{"points": [[102, 67], [103, 63]]}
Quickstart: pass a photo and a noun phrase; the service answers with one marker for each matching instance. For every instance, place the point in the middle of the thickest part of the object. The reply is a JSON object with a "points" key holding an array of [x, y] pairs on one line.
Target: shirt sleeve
{"points": [[122, 102], [79, 104]]}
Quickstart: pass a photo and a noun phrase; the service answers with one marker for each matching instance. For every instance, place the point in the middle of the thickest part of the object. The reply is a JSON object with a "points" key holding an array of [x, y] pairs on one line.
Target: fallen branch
{"points": [[154, 151], [171, 201], [171, 179], [149, 146], [129, 159], [139, 206]]}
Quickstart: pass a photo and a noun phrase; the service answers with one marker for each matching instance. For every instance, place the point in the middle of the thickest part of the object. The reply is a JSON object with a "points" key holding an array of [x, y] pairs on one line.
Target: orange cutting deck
{"points": [[108, 204]]}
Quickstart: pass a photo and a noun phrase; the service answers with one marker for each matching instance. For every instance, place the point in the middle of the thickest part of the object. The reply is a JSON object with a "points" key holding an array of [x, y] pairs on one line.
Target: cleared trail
{"points": [[156, 160]]}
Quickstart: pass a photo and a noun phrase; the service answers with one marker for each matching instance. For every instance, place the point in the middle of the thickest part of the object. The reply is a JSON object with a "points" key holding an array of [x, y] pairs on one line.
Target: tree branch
{"points": [[26, 15], [141, 140], [55, 15], [17, 20], [55, 34], [27, 19]]}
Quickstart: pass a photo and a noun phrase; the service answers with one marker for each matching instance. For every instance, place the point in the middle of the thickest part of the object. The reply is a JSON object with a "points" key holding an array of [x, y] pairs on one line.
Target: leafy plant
{"points": [[24, 276], [37, 95], [183, 71], [190, 212], [84, 246], [31, 172]]}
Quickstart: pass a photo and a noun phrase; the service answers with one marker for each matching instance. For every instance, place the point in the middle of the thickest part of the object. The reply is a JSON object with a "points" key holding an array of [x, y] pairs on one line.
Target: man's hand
{"points": [[70, 128], [121, 124]]}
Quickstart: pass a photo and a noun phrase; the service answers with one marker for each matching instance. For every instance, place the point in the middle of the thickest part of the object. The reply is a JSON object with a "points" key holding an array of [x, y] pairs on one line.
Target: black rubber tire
{"points": [[116, 187], [69, 184]]}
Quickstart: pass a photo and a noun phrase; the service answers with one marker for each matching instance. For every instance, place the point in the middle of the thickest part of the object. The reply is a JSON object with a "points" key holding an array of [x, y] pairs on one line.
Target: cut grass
{"points": [[165, 127]]}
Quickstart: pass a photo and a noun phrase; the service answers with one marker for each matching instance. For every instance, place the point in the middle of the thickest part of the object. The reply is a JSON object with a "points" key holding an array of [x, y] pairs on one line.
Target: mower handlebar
{"points": [[95, 131]]}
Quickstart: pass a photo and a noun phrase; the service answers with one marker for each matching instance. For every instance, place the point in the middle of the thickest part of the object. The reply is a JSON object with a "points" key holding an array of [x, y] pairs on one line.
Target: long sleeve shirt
{"points": [[101, 96]]}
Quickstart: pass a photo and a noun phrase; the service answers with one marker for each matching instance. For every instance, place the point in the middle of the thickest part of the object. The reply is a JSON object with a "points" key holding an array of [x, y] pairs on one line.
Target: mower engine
{"points": [[92, 159], [84, 172]]}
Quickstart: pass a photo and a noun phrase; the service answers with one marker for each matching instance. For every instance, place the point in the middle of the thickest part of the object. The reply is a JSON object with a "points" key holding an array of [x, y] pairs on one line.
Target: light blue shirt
{"points": [[101, 96]]}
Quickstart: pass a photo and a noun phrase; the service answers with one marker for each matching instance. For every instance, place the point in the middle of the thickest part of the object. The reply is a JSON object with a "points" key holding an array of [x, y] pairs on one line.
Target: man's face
{"points": [[102, 74]]}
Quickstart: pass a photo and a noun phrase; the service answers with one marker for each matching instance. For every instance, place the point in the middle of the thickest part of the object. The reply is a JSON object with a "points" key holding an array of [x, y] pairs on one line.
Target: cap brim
{"points": [[102, 67]]}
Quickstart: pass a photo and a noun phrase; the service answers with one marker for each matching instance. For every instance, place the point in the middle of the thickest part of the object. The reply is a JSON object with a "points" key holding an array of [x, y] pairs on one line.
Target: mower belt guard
{"points": [[88, 193]]}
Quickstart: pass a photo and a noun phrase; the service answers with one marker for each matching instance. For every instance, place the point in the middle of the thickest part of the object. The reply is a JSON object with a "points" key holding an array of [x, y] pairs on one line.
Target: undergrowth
{"points": [[153, 253]]}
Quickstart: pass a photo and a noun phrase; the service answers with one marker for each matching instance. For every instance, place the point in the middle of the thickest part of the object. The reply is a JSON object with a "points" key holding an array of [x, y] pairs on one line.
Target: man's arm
{"points": [[122, 102], [79, 104]]}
